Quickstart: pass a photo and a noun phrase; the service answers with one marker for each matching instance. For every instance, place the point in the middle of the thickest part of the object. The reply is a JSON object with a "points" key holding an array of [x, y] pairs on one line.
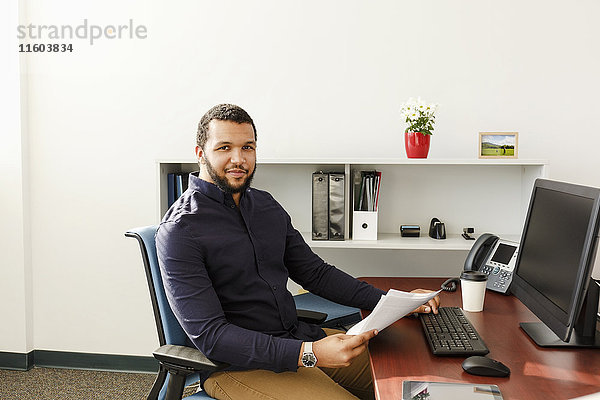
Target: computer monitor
{"points": [[555, 262]]}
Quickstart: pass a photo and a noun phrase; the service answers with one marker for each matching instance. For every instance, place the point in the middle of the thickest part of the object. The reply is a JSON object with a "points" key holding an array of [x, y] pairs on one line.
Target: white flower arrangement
{"points": [[420, 116]]}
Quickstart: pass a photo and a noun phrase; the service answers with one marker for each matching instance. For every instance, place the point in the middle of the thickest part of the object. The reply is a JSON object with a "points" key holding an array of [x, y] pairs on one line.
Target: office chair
{"points": [[179, 360]]}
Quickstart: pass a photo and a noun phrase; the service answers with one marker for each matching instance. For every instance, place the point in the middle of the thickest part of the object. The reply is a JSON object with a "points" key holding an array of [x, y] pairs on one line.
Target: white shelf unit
{"points": [[489, 195]]}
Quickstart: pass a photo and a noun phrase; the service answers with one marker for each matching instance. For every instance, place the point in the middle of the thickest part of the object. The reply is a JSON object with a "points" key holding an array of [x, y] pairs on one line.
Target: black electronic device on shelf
{"points": [[437, 229], [410, 230], [467, 233]]}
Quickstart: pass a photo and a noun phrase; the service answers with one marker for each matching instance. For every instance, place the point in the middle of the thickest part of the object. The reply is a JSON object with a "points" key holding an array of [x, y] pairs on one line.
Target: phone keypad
{"points": [[504, 278], [501, 277], [486, 269]]}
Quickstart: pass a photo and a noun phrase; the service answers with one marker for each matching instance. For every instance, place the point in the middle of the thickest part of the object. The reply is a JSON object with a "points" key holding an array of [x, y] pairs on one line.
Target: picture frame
{"points": [[498, 144]]}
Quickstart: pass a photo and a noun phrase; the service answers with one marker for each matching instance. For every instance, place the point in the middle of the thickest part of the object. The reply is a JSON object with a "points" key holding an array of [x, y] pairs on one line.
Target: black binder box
{"points": [[328, 206], [410, 230]]}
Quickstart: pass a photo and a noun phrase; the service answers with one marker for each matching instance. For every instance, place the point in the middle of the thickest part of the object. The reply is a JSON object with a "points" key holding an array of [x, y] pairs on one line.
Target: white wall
{"points": [[320, 78]]}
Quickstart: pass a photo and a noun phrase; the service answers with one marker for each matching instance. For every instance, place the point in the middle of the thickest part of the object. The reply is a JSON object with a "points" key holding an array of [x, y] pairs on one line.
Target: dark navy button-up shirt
{"points": [[225, 271]]}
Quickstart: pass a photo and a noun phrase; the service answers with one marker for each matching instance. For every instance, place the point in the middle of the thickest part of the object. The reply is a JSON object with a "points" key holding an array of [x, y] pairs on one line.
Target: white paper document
{"points": [[390, 308]]}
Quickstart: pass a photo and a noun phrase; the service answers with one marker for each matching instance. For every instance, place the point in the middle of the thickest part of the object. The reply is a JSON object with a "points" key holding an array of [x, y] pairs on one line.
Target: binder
{"points": [[178, 185], [356, 189], [368, 195], [170, 189], [336, 206], [377, 188], [186, 181], [181, 184], [320, 206]]}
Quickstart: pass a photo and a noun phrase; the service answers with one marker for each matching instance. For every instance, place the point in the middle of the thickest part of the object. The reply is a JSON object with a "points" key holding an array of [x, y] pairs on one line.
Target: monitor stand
{"points": [[584, 333], [544, 337]]}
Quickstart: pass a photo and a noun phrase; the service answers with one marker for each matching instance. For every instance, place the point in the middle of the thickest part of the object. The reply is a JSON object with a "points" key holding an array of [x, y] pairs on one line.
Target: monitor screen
{"points": [[552, 249], [557, 253]]}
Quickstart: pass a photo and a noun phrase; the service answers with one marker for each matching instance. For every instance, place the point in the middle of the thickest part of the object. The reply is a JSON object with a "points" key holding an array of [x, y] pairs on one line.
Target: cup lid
{"points": [[473, 276]]}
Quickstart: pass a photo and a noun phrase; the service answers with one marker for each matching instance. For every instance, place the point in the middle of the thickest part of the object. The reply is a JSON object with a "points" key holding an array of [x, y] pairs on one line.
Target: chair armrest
{"points": [[311, 317], [187, 357]]}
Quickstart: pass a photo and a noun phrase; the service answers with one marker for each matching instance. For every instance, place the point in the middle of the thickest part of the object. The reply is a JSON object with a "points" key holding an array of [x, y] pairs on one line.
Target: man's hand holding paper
{"points": [[430, 306], [395, 305]]}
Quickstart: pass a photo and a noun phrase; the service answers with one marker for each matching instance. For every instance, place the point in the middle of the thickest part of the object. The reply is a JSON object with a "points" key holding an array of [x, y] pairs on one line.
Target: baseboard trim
{"points": [[74, 360], [16, 361]]}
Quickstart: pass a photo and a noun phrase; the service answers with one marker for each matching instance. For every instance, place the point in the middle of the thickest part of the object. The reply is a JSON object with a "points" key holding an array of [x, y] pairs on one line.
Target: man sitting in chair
{"points": [[226, 251]]}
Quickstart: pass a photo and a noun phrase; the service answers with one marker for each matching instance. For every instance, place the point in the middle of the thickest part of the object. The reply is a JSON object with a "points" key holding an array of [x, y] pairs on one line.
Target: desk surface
{"points": [[400, 352]]}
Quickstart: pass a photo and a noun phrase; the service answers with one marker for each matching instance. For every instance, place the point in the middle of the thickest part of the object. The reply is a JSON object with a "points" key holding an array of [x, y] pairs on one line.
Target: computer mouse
{"points": [[484, 366]]}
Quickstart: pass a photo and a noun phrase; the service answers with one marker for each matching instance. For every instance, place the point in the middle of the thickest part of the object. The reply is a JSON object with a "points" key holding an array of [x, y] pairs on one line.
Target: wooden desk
{"points": [[400, 352]]}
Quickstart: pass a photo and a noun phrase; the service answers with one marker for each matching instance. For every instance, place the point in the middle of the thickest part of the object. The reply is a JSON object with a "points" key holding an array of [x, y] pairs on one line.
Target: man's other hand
{"points": [[431, 306]]}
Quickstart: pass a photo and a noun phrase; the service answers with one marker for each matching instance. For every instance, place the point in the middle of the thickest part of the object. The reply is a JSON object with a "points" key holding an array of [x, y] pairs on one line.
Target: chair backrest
{"points": [[167, 326]]}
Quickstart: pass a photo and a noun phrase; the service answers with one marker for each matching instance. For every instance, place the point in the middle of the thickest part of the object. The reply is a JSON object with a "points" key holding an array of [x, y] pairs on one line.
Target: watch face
{"points": [[309, 360]]}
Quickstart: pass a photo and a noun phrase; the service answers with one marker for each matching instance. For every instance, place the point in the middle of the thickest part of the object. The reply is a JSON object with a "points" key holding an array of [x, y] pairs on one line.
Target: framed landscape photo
{"points": [[498, 144]]}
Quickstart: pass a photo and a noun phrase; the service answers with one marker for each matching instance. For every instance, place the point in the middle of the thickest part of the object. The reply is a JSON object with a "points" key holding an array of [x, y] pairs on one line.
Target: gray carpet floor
{"points": [[67, 384]]}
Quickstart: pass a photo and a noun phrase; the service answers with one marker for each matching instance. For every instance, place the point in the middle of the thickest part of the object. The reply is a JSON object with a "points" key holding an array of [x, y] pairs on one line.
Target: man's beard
{"points": [[223, 184]]}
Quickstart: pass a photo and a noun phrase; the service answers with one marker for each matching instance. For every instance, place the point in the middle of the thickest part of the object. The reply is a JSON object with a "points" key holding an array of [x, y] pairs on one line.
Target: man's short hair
{"points": [[222, 112]]}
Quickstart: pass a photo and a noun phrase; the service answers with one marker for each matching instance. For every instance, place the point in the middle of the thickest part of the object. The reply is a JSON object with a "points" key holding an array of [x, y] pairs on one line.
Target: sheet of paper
{"points": [[390, 308]]}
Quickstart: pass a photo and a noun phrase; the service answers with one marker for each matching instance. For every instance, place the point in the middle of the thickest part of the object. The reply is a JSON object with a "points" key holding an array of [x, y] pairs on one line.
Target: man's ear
{"points": [[199, 154]]}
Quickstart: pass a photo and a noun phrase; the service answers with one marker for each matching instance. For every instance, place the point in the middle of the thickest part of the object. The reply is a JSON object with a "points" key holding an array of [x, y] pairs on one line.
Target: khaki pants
{"points": [[307, 383]]}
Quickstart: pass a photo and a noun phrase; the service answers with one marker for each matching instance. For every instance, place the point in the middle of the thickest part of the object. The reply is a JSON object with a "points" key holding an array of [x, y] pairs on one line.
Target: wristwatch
{"points": [[308, 357]]}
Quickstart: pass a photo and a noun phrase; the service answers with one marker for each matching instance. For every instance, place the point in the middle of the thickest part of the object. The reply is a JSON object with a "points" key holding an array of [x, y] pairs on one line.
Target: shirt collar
{"points": [[209, 189]]}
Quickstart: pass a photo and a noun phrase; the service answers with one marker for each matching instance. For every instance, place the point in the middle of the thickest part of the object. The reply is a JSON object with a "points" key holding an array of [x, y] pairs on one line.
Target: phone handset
{"points": [[475, 259], [480, 251]]}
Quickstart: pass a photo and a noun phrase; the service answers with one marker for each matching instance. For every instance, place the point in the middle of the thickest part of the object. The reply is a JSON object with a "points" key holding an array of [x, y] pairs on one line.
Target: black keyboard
{"points": [[450, 333]]}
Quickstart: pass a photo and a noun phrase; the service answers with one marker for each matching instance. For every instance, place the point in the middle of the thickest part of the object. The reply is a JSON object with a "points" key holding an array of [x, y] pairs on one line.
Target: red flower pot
{"points": [[417, 144]]}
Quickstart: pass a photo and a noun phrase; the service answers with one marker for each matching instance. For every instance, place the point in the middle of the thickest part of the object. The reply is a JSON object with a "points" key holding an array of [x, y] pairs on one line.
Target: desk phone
{"points": [[500, 265], [496, 258]]}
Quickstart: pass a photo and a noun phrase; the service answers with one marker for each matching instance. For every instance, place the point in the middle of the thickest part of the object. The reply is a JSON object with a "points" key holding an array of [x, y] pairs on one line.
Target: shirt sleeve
{"points": [[315, 275], [196, 306]]}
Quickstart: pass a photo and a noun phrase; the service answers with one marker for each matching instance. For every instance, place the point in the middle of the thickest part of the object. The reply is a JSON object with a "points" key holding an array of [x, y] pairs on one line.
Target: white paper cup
{"points": [[473, 290]]}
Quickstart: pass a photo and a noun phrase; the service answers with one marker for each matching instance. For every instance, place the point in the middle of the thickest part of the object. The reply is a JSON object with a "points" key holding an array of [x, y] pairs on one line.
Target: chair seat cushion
{"points": [[338, 316]]}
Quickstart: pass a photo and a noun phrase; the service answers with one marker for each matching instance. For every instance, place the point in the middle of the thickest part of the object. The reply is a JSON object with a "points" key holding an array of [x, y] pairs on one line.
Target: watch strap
{"points": [[308, 347]]}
